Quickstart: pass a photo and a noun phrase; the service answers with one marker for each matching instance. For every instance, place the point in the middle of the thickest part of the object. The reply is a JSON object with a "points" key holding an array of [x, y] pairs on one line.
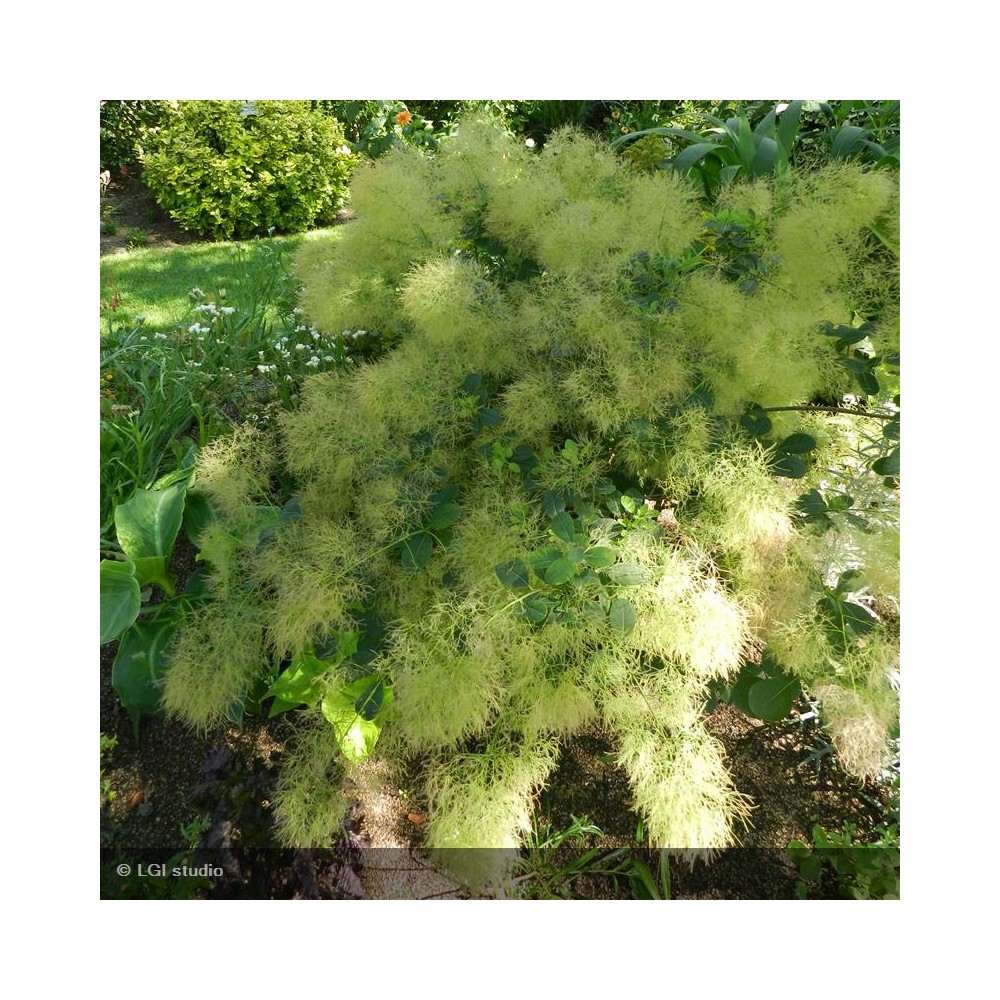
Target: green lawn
{"points": [[155, 283]]}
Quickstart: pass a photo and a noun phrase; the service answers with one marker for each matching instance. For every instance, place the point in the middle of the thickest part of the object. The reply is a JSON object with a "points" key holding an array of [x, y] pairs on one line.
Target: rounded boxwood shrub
{"points": [[235, 169]]}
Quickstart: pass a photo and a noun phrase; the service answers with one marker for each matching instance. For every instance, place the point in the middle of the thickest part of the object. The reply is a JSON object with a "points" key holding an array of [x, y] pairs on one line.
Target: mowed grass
{"points": [[154, 283]]}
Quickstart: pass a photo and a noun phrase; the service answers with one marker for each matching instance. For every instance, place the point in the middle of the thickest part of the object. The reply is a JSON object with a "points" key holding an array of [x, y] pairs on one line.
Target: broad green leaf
{"points": [[120, 601], [562, 525], [139, 666], [487, 417], [728, 173], [765, 127], [810, 867], [891, 430], [812, 504], [772, 699], [889, 465], [853, 336], [626, 574], [417, 550], [745, 144], [857, 618], [850, 579], [512, 574], [600, 556], [847, 140], [866, 379], [560, 571], [621, 616], [533, 608], [739, 693], [355, 734], [788, 128], [541, 559], [797, 444], [446, 494], [755, 421], [765, 157], [841, 502], [296, 685], [154, 570], [199, 513], [444, 516], [553, 502], [266, 520], [663, 130], [148, 522], [630, 503], [847, 619], [789, 466], [689, 156], [182, 474]]}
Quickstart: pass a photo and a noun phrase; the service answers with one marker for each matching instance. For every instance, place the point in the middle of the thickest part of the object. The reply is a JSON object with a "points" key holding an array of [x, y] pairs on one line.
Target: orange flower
{"points": [[404, 118]]}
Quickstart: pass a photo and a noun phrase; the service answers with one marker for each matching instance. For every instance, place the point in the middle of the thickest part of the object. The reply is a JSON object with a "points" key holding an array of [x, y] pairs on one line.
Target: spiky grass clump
{"points": [[567, 330]]}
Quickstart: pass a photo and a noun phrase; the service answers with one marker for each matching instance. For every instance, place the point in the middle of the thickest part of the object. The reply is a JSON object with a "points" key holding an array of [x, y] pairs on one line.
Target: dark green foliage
{"points": [[232, 169], [765, 137], [124, 124], [858, 869], [373, 127]]}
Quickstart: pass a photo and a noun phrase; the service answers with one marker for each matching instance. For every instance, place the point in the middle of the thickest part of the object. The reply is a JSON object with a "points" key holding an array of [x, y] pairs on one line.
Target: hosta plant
{"points": [[568, 495]]}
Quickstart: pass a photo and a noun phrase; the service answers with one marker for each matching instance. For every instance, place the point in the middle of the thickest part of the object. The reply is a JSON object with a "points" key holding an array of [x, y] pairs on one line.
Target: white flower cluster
{"points": [[213, 310]]}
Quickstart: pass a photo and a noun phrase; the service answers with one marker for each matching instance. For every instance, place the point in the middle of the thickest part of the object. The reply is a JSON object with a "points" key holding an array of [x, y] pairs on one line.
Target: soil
{"points": [[130, 218], [217, 785]]}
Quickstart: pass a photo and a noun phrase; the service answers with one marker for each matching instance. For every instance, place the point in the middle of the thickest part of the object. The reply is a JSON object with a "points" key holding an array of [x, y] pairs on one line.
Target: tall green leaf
{"points": [[120, 600], [139, 667], [147, 525]]}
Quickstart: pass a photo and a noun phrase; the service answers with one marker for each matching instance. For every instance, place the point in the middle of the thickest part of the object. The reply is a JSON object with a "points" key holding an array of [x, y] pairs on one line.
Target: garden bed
{"points": [[575, 609]]}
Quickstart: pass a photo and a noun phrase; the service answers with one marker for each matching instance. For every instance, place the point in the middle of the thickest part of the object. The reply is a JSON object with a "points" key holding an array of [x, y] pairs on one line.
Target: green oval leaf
{"points": [[148, 522], [444, 516], [417, 550], [889, 465], [739, 693], [562, 525], [560, 571], [139, 666], [541, 559], [789, 466], [346, 710], [626, 574], [771, 699], [296, 685], [533, 608], [600, 556], [553, 502], [120, 601], [621, 616], [755, 421], [797, 444], [512, 574]]}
